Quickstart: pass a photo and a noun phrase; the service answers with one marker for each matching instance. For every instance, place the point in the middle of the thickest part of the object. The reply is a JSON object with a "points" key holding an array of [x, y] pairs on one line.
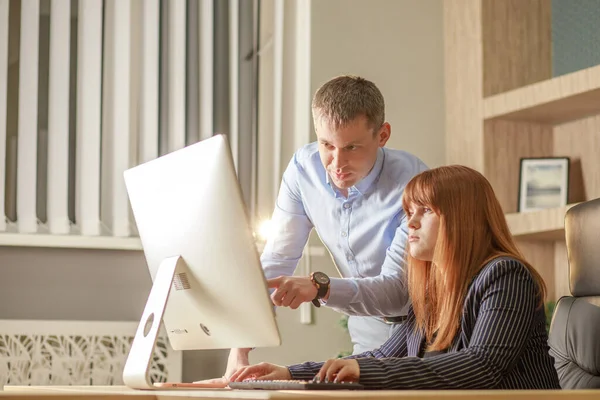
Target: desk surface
{"points": [[121, 392]]}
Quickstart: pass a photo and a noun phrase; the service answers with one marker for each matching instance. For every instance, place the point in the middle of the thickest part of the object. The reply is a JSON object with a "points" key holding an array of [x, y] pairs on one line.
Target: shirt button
{"points": [[347, 205], [350, 258], [344, 234]]}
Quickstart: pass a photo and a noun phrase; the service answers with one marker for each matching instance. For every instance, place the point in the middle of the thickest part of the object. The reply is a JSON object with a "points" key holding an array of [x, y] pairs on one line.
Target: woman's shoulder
{"points": [[501, 267]]}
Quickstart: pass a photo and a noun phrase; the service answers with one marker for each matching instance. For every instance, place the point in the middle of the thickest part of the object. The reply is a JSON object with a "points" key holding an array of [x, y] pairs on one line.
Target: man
{"points": [[348, 188]]}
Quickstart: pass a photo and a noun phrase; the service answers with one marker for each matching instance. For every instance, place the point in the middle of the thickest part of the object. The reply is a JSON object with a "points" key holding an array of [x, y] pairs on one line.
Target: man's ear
{"points": [[384, 133]]}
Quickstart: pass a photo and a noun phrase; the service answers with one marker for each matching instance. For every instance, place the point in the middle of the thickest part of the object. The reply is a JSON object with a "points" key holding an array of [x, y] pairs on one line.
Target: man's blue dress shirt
{"points": [[365, 233]]}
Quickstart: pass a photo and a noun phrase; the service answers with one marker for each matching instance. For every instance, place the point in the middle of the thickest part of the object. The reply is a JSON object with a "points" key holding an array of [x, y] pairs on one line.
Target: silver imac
{"points": [[208, 288]]}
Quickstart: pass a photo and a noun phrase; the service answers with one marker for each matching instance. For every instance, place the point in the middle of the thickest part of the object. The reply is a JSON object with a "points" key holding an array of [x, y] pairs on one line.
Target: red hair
{"points": [[473, 231]]}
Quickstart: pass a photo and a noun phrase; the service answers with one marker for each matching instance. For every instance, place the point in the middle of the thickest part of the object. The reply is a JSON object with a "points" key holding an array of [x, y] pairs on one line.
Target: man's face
{"points": [[349, 152]]}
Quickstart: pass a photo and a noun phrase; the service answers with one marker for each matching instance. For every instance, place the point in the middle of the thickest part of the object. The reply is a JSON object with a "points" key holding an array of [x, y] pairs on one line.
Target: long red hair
{"points": [[473, 231]]}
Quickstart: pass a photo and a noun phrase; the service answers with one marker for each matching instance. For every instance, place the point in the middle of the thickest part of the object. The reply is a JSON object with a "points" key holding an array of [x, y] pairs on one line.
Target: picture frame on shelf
{"points": [[543, 183]]}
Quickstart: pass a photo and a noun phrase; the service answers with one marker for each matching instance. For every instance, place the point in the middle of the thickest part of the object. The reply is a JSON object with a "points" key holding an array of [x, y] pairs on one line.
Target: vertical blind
{"points": [[90, 88]]}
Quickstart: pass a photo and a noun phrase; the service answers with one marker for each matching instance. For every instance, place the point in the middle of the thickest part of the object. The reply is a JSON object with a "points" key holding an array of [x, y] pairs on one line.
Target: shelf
{"points": [[92, 242], [546, 225], [554, 101]]}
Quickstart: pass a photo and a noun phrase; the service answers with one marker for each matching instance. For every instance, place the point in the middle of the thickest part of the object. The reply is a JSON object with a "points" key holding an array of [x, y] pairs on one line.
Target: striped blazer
{"points": [[501, 342]]}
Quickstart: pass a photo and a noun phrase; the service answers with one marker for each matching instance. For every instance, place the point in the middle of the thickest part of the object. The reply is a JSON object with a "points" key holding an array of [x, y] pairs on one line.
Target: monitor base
{"points": [[137, 366]]}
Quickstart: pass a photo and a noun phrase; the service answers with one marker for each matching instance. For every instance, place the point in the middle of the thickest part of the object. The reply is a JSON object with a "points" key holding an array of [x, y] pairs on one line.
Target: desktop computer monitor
{"points": [[208, 285]]}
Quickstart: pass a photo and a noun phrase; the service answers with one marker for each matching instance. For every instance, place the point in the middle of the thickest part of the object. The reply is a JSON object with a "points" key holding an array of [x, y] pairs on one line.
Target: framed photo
{"points": [[543, 183]]}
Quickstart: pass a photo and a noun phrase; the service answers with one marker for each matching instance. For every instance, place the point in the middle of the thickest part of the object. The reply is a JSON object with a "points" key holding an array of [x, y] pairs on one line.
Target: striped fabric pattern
{"points": [[501, 342]]}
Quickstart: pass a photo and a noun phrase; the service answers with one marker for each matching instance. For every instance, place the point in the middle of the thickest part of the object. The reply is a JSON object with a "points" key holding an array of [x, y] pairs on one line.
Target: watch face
{"points": [[321, 278]]}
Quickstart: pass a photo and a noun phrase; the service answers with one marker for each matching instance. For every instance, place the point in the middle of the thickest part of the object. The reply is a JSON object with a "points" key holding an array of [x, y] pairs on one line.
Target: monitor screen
{"points": [[188, 204]]}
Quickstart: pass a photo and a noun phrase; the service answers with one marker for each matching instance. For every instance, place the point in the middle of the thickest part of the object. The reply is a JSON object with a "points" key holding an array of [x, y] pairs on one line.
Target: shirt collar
{"points": [[364, 184]]}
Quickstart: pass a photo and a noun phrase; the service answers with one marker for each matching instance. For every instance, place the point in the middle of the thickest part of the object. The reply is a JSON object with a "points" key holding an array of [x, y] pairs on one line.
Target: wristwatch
{"points": [[321, 282]]}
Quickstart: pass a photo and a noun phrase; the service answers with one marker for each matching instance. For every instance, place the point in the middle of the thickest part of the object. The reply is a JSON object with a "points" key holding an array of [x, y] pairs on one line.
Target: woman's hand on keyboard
{"points": [[262, 371], [339, 370]]}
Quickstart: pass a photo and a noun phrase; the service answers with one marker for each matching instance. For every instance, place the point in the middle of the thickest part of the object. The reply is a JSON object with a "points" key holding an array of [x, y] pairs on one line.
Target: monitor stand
{"points": [[137, 366]]}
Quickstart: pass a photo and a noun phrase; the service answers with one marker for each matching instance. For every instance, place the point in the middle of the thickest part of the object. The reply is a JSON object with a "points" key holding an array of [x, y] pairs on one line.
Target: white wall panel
{"points": [[176, 51], [89, 83], [3, 96], [234, 80], [148, 137], [206, 68], [116, 117], [277, 93], [58, 118], [28, 117]]}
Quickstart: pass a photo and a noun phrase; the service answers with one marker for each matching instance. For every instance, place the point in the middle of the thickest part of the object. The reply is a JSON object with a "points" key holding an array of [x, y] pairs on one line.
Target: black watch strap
{"points": [[322, 291], [322, 287]]}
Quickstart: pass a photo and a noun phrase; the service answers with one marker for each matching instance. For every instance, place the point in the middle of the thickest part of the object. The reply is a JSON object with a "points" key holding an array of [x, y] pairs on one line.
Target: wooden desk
{"points": [[121, 392]]}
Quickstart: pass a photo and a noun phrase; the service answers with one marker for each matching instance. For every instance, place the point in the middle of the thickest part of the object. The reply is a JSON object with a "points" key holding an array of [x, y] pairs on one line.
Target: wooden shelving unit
{"points": [[503, 104], [554, 101], [544, 225]]}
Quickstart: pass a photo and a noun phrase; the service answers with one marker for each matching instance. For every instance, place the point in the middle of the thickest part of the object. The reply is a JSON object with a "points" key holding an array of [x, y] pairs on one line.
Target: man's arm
{"points": [[383, 295]]}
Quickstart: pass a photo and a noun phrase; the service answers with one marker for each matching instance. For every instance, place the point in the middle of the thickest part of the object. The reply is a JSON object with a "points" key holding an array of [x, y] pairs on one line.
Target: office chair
{"points": [[574, 337]]}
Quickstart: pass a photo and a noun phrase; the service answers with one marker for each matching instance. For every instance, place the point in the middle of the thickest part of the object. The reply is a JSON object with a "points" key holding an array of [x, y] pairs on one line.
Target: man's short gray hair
{"points": [[344, 98]]}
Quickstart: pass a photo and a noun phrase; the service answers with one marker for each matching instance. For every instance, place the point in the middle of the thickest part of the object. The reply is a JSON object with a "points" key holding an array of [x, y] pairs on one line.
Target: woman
{"points": [[477, 317]]}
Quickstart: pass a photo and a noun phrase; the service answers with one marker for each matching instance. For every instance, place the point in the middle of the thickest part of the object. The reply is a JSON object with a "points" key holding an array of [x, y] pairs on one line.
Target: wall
{"points": [[85, 285], [575, 35], [398, 45], [72, 284]]}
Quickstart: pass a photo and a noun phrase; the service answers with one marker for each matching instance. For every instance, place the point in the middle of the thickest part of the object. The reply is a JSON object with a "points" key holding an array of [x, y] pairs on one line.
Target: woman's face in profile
{"points": [[423, 225]]}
